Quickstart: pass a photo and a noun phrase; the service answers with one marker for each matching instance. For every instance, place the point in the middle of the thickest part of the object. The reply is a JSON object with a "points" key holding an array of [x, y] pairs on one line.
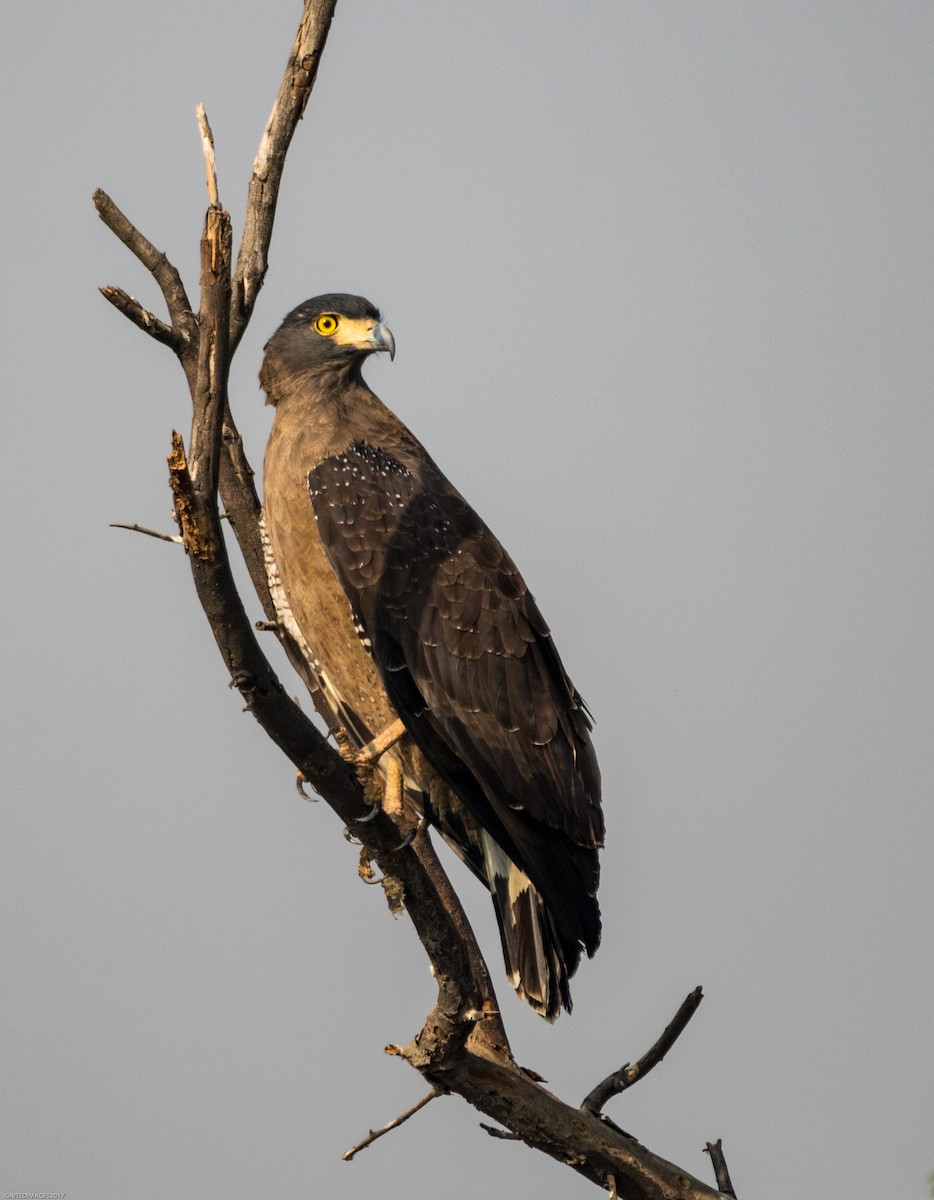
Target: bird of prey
{"points": [[405, 605]]}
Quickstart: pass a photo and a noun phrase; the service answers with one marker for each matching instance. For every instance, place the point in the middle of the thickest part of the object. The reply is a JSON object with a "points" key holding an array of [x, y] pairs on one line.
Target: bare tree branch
{"points": [[153, 533], [371, 1137], [210, 162], [243, 509], [462, 1046], [263, 193], [504, 1135], [143, 319], [209, 399], [236, 476], [591, 1146], [724, 1183], [628, 1074], [167, 277]]}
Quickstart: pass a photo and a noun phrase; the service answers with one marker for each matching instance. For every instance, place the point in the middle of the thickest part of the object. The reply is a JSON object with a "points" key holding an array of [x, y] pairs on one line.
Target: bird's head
{"points": [[329, 334]]}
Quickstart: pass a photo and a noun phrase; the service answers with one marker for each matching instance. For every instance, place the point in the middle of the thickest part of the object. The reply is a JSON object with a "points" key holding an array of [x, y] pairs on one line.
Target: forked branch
{"points": [[184, 322]]}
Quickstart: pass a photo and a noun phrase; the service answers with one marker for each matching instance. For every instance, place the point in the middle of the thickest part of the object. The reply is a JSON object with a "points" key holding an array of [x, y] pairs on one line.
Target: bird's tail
{"points": [[537, 963]]}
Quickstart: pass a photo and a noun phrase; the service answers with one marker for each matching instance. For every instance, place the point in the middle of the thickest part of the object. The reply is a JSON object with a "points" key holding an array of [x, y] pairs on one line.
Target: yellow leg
{"points": [[393, 789], [381, 743]]}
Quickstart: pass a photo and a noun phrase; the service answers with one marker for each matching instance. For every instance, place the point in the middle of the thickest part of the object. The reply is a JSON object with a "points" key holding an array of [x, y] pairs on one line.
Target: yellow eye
{"points": [[326, 324]]}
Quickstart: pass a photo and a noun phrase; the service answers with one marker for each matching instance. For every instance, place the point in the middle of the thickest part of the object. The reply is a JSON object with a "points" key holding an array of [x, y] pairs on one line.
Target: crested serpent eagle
{"points": [[405, 605]]}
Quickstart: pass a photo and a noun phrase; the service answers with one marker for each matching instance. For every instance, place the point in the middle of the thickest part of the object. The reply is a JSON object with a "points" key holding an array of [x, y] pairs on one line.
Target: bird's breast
{"points": [[317, 600]]}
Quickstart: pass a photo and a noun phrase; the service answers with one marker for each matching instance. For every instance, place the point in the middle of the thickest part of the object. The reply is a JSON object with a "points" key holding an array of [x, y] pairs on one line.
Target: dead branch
{"points": [[210, 162], [628, 1074], [153, 533], [462, 1046], [263, 194], [143, 319], [165, 274], [504, 1135], [371, 1137], [243, 509], [724, 1183]]}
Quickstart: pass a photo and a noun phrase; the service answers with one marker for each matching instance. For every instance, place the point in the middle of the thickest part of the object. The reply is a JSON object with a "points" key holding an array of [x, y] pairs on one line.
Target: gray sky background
{"points": [[660, 280]]}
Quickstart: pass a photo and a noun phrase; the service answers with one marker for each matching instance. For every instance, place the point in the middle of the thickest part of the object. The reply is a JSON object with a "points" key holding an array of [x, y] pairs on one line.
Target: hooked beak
{"points": [[383, 339]]}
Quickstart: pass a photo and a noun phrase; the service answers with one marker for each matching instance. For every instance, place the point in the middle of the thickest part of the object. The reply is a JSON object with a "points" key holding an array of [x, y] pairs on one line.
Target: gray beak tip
{"points": [[384, 339]]}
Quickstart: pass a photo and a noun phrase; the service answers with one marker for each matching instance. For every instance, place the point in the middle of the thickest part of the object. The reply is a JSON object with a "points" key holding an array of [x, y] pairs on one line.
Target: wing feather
{"points": [[469, 665]]}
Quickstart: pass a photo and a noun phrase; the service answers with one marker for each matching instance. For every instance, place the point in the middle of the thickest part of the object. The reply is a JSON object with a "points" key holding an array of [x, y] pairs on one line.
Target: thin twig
{"points": [[210, 163], [724, 1183], [628, 1074], [163, 537], [393, 1124], [505, 1135]]}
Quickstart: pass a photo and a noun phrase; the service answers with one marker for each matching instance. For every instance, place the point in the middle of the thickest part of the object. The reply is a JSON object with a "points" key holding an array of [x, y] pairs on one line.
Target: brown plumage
{"points": [[408, 605]]}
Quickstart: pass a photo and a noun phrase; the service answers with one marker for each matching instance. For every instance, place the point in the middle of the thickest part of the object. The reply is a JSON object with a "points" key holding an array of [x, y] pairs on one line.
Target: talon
{"points": [[365, 869], [412, 834], [375, 809], [300, 781]]}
